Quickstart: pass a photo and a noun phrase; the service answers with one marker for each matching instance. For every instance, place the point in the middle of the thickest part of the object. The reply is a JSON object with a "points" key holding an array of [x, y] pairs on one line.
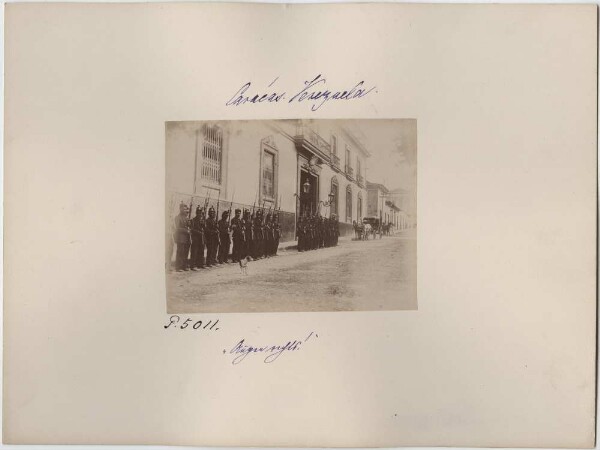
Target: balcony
{"points": [[307, 139], [349, 172], [360, 180], [335, 161]]}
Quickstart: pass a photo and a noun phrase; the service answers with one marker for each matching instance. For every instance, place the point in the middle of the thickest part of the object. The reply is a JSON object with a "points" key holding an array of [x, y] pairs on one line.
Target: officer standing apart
{"points": [[182, 237]]}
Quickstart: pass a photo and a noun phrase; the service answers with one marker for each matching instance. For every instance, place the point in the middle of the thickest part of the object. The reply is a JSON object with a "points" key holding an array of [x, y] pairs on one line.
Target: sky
{"points": [[393, 148]]}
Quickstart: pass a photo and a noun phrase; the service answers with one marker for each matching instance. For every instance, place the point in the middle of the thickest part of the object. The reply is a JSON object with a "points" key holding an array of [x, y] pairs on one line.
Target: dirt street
{"points": [[354, 276]]}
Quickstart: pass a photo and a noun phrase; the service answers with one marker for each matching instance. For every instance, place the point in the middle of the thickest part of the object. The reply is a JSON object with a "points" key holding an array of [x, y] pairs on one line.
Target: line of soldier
{"points": [[315, 231], [252, 235]]}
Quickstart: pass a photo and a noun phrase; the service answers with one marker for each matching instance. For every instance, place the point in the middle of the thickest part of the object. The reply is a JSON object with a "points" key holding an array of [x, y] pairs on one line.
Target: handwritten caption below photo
{"points": [[241, 350]]}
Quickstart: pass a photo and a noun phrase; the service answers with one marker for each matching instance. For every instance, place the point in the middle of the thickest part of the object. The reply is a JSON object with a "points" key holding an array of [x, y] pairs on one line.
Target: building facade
{"points": [[296, 167], [380, 204]]}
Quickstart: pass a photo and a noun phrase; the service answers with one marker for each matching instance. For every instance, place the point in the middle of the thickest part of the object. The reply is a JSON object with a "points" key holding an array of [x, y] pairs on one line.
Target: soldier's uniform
{"points": [[276, 233], [225, 240], [198, 239], [258, 236], [301, 234], [211, 234], [237, 231], [335, 229], [311, 233], [247, 234], [182, 238], [268, 236]]}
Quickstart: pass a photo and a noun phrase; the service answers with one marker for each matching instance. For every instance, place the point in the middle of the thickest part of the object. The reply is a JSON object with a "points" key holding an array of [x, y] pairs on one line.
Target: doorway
{"points": [[309, 193]]}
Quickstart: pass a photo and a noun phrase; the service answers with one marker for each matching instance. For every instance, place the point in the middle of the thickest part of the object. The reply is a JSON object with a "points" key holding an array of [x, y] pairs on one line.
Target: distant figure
{"points": [[244, 265]]}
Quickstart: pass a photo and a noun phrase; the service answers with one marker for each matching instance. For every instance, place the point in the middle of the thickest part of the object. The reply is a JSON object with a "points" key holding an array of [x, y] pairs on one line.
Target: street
{"points": [[368, 275]]}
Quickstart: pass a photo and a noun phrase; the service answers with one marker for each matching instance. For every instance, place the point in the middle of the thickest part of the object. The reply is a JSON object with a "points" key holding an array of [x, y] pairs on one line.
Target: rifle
{"points": [[230, 206], [206, 200], [190, 210], [218, 200]]}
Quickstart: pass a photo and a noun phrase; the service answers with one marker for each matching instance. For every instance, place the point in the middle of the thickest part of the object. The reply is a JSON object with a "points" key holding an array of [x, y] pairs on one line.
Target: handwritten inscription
{"points": [[176, 323], [314, 92], [271, 352]]}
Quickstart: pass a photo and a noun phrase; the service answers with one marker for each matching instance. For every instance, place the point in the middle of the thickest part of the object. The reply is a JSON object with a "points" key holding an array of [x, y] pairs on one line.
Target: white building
{"points": [[295, 166]]}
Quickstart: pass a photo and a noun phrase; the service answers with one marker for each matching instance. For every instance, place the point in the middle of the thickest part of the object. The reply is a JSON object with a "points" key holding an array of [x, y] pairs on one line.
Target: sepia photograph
{"points": [[291, 215]]}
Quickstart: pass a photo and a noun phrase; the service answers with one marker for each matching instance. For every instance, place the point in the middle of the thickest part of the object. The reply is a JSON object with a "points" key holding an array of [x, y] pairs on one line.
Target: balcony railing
{"points": [[349, 172], [305, 134], [360, 180], [335, 161]]}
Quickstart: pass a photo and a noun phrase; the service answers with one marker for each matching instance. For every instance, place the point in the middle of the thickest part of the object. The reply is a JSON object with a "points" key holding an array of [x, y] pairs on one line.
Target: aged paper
{"points": [[499, 348]]}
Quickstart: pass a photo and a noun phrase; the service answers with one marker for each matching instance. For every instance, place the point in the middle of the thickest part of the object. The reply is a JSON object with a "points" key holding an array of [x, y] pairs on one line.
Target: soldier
{"points": [[300, 234], [211, 234], [258, 236], [237, 230], [268, 236], [198, 240], [247, 234], [182, 237], [224, 238], [311, 232], [336, 229], [276, 233]]}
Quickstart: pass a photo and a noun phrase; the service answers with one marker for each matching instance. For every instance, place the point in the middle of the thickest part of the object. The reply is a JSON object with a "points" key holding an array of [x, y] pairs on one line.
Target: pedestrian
{"points": [[224, 238], [198, 224], [182, 238]]}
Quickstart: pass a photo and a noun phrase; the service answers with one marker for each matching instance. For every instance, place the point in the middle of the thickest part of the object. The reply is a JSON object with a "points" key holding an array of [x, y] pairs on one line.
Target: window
{"points": [[347, 158], [212, 153], [334, 144], [268, 177], [334, 191], [358, 171], [268, 174], [348, 204]]}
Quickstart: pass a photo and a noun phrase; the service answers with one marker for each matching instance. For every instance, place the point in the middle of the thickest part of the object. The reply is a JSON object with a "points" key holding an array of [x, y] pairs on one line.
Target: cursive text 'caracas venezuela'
{"points": [[315, 93]]}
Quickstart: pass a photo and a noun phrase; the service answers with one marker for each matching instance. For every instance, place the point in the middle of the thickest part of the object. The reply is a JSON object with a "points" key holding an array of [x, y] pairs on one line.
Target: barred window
{"points": [[348, 204], [268, 175], [212, 154]]}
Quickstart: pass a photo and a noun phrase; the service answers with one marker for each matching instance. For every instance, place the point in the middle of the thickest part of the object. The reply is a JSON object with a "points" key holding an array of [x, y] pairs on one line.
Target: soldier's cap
{"points": [[238, 211], [211, 209], [182, 205], [199, 209], [225, 214]]}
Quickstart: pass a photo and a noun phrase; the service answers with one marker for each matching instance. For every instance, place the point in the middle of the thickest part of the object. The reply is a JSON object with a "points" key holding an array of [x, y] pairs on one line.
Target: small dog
{"points": [[244, 265]]}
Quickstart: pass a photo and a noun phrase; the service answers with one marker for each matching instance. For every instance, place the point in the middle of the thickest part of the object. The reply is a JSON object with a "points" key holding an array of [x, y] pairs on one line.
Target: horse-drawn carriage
{"points": [[370, 226]]}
